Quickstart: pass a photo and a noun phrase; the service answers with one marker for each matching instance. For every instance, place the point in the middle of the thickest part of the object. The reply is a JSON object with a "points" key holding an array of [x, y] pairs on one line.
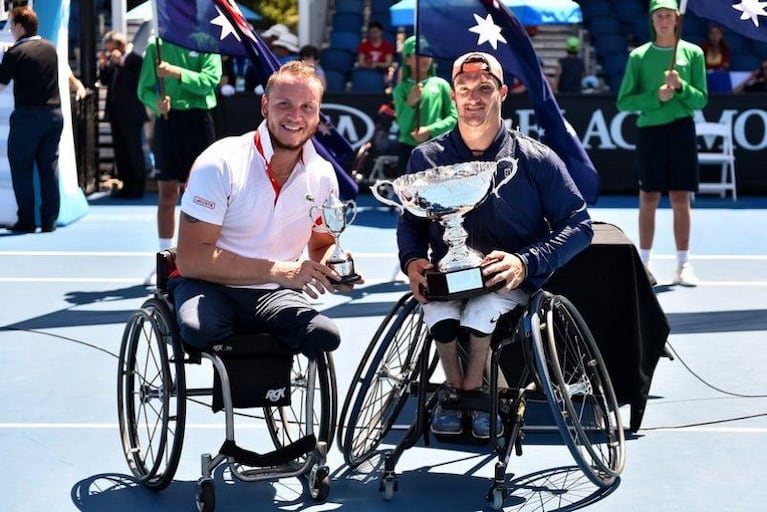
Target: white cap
{"points": [[478, 61], [288, 41], [275, 31]]}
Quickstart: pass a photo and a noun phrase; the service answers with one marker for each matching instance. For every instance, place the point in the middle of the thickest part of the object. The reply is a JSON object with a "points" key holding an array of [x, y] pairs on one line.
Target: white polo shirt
{"points": [[229, 186]]}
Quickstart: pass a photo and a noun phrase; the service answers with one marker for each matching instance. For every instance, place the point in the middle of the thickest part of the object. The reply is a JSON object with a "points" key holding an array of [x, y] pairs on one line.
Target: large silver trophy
{"points": [[446, 194], [337, 215]]}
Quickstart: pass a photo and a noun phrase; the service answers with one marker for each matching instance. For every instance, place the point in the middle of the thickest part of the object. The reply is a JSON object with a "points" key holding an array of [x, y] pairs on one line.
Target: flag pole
{"points": [[158, 51], [417, 64], [680, 21]]}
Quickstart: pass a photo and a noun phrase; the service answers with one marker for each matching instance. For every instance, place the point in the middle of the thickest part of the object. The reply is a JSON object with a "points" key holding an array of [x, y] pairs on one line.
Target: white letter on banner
{"points": [[739, 130], [597, 128]]}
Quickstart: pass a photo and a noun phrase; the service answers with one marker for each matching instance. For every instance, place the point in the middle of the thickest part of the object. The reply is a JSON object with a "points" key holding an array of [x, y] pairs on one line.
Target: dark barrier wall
{"points": [[608, 135]]}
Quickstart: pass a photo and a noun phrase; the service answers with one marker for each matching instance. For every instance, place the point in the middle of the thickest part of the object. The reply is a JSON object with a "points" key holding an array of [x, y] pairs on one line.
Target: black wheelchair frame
{"points": [[152, 395], [560, 363]]}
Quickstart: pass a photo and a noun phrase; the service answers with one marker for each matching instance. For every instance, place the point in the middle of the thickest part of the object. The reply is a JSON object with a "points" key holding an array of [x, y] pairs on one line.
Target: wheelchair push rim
{"points": [[150, 396], [393, 356], [578, 389]]}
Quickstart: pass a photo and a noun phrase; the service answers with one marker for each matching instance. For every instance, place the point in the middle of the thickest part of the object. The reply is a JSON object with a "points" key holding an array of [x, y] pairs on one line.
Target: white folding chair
{"points": [[725, 157]]}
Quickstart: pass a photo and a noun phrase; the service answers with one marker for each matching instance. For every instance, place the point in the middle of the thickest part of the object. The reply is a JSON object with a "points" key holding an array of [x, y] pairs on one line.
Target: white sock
{"points": [[644, 255], [165, 243], [682, 257]]}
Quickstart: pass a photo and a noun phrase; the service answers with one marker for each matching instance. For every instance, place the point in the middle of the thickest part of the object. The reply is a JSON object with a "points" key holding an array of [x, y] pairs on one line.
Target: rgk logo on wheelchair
{"points": [[275, 395]]}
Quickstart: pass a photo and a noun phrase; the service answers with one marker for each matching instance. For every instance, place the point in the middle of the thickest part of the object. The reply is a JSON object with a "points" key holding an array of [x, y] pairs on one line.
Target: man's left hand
{"points": [[504, 267]]}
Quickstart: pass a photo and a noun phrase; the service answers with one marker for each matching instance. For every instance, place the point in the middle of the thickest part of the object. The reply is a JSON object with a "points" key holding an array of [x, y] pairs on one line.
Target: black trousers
{"points": [[129, 155], [33, 139], [208, 313]]}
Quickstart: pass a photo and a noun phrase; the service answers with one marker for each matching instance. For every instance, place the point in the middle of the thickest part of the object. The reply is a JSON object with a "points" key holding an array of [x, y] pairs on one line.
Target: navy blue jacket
{"points": [[538, 214]]}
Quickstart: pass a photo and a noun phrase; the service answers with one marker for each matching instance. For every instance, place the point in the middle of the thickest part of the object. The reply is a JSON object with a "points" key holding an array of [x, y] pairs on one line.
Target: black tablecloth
{"points": [[608, 284]]}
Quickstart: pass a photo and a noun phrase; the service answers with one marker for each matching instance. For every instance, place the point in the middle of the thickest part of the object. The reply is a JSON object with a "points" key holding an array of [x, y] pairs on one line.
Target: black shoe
{"points": [[22, 228], [48, 228]]}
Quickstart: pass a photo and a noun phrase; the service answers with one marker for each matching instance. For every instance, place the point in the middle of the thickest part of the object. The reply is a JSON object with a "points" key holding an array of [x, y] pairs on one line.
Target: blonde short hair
{"points": [[298, 69]]}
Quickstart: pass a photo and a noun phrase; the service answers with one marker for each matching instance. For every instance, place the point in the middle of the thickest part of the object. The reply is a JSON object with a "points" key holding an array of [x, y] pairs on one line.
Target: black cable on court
{"points": [[105, 351], [711, 386]]}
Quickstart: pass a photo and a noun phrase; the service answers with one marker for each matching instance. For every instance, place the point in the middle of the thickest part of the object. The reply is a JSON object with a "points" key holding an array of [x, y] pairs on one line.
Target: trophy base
{"points": [[458, 284], [345, 269], [345, 279]]}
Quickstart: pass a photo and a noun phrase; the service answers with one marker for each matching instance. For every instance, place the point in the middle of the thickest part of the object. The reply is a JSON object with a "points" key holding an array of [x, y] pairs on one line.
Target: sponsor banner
{"points": [[609, 136]]}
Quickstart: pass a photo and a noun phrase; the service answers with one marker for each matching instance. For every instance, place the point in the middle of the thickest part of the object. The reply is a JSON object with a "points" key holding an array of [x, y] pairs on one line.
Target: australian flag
{"points": [[218, 26], [450, 28], [748, 18]]}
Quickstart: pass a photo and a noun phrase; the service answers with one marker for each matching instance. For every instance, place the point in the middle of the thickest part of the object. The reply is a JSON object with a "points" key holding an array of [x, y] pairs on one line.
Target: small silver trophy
{"points": [[445, 194], [337, 215]]}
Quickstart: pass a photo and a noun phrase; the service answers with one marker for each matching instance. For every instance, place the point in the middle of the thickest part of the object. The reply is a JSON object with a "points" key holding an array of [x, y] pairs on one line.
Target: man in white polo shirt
{"points": [[247, 217]]}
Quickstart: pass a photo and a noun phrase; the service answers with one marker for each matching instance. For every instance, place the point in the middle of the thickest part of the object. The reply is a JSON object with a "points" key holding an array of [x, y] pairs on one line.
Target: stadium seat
{"points": [[367, 80], [744, 62], [608, 44], [591, 8], [349, 6], [759, 48], [348, 41], [629, 10], [615, 64], [336, 59], [348, 22], [600, 25], [336, 81]]}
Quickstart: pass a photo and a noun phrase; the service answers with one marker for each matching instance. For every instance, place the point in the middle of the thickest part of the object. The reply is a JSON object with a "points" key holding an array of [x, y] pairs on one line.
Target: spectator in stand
{"points": [[273, 33], [716, 50], [119, 69], [311, 55], [570, 69], [756, 82], [422, 101], [375, 52], [286, 47]]}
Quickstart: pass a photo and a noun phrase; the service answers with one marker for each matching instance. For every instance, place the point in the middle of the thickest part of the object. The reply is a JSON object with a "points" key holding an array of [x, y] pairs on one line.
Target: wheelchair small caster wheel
{"points": [[206, 495], [320, 483], [496, 497], [389, 486]]}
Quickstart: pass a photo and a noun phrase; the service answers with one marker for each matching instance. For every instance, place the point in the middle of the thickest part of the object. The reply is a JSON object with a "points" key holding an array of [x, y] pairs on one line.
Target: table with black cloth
{"points": [[610, 287]]}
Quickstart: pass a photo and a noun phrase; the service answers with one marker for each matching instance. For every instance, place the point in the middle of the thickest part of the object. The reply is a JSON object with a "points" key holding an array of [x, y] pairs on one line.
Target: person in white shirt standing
{"points": [[247, 217]]}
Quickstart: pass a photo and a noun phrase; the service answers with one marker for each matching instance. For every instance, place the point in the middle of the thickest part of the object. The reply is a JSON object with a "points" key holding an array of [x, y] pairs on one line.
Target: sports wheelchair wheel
{"points": [[287, 424], [578, 388], [380, 386], [151, 393]]}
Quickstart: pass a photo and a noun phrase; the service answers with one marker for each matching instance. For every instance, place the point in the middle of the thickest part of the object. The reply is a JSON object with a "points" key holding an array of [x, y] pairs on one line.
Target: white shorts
{"points": [[478, 313]]}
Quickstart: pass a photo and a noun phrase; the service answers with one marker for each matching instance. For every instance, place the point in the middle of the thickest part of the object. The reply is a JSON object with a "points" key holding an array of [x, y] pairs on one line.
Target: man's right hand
{"points": [[416, 274]]}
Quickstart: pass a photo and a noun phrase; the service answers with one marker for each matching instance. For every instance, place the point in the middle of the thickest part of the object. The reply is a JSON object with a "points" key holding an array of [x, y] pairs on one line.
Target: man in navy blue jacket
{"points": [[535, 223]]}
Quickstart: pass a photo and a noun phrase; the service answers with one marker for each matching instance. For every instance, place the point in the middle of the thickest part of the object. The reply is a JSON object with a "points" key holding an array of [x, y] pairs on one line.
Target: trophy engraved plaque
{"points": [[445, 194], [337, 215]]}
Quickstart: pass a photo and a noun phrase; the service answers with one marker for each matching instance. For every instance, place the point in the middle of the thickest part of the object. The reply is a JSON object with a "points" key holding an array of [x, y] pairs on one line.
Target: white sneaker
{"points": [[151, 279], [685, 275]]}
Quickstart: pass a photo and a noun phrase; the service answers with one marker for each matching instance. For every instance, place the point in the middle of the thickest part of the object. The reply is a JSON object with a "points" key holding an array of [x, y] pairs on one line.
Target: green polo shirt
{"points": [[196, 90]]}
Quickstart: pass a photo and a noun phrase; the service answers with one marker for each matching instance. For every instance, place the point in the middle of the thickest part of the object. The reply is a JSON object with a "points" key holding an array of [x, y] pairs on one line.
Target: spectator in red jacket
{"points": [[375, 52]]}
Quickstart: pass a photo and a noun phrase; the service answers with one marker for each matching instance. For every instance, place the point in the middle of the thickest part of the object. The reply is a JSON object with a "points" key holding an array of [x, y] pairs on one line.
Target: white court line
{"points": [[109, 426], [713, 430], [210, 426], [142, 254]]}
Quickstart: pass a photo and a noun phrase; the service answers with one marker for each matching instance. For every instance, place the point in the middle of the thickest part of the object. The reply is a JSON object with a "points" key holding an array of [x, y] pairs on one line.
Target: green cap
{"points": [[573, 43], [663, 4]]}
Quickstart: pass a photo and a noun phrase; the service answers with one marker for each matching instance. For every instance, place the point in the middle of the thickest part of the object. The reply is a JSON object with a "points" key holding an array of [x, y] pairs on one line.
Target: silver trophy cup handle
{"points": [[509, 174], [350, 206], [381, 198]]}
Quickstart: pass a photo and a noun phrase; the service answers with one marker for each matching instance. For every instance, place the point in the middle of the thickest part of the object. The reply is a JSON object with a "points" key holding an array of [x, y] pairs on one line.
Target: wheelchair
{"points": [[298, 398], [555, 358]]}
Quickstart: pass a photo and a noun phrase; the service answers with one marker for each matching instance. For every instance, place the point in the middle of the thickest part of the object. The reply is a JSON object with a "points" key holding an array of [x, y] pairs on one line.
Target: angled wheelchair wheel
{"points": [[380, 386], [578, 388], [151, 393], [288, 424]]}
